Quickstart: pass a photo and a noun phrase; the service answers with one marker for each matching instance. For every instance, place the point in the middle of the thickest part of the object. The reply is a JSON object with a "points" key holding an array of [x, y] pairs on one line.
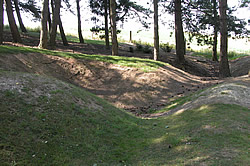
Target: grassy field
{"points": [[47, 122], [231, 55]]}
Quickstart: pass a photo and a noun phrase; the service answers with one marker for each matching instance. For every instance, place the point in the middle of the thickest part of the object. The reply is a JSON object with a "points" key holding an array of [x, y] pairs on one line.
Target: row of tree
{"points": [[45, 16], [195, 16], [123, 9], [198, 16]]}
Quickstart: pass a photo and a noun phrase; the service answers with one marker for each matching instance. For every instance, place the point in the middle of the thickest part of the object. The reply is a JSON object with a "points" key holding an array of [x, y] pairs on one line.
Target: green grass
{"points": [[209, 135], [72, 38], [208, 54], [178, 101], [145, 65], [64, 126], [35, 32]]}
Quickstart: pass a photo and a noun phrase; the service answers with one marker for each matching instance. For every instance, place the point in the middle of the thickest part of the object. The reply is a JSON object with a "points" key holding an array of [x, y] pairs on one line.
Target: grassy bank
{"points": [[48, 122], [145, 65]]}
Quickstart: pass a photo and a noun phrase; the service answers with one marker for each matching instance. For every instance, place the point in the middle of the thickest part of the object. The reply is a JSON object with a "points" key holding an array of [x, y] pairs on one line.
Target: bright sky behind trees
{"points": [[70, 21]]}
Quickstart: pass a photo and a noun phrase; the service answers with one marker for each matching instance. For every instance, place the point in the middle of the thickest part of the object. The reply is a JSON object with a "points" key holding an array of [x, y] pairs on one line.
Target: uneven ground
{"points": [[50, 122], [45, 121], [125, 87]]}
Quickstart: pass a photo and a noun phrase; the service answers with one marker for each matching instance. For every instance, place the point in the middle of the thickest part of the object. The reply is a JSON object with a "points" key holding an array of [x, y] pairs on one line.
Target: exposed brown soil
{"points": [[125, 87]]}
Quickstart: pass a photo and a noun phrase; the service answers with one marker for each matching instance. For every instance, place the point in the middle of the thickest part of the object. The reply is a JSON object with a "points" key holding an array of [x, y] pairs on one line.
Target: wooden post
{"points": [[130, 37]]}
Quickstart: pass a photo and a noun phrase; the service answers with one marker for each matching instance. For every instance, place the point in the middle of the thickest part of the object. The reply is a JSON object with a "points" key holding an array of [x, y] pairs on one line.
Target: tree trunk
{"points": [[63, 36], [156, 31], [113, 27], [22, 27], [55, 22], [1, 22], [224, 70], [49, 19], [12, 22], [79, 21], [215, 31], [106, 24], [179, 35], [44, 30]]}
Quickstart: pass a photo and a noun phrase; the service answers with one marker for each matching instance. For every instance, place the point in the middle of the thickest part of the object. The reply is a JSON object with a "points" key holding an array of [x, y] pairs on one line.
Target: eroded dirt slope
{"points": [[125, 87]]}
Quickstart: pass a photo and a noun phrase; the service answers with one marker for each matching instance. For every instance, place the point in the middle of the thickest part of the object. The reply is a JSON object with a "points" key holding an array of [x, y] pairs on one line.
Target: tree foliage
{"points": [[32, 8], [125, 9], [198, 19]]}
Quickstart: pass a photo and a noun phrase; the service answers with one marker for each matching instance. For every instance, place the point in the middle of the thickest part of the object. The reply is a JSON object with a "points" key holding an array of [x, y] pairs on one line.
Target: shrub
{"points": [[139, 47], [166, 47], [147, 49], [100, 32], [131, 49]]}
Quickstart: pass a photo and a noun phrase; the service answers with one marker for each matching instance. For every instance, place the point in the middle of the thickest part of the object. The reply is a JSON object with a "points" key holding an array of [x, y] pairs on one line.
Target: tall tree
{"points": [[44, 30], [113, 27], [1, 21], [179, 35], [49, 18], [125, 9], [216, 29], [202, 15], [106, 23], [79, 21], [156, 31], [22, 27], [55, 22], [63, 36], [224, 70], [13, 27]]}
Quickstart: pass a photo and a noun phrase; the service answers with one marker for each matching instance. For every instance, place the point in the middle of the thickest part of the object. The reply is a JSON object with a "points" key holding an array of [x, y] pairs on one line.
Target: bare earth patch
{"points": [[125, 87]]}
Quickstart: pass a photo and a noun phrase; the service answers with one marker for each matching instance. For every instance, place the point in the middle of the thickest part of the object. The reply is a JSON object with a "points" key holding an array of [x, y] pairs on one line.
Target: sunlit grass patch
{"points": [[207, 135], [208, 54], [145, 65]]}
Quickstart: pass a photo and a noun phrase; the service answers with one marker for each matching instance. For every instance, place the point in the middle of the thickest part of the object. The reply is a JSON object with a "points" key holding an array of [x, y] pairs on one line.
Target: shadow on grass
{"points": [[60, 131], [209, 135]]}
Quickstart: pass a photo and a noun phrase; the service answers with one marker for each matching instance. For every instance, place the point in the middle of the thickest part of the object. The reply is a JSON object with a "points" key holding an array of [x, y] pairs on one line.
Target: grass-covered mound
{"points": [[145, 65], [48, 122]]}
